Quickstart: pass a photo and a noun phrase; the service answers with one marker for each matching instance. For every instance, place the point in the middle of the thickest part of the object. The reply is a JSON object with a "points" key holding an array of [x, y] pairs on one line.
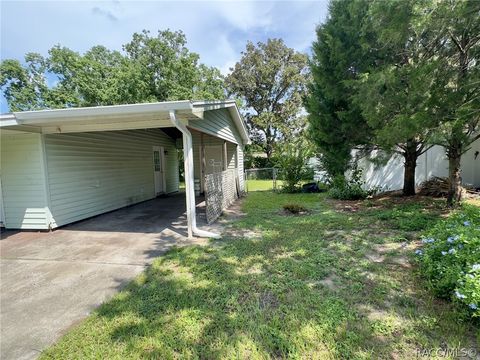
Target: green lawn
{"points": [[261, 185], [336, 283]]}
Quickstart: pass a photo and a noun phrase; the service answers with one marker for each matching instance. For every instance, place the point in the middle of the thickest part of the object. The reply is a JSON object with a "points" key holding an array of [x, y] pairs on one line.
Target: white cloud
{"points": [[246, 15]]}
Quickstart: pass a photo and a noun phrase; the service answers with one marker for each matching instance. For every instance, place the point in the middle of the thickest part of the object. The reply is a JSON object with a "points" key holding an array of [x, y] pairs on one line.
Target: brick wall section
{"points": [[220, 193]]}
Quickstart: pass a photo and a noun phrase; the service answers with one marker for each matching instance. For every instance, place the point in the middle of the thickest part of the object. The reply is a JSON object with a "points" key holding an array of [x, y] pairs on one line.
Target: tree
{"points": [[394, 95], [151, 68], [339, 56], [271, 79], [456, 98], [168, 70], [210, 84], [25, 86]]}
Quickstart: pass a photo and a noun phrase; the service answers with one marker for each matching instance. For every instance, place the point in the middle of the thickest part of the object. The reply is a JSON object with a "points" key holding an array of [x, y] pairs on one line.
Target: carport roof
{"points": [[117, 117]]}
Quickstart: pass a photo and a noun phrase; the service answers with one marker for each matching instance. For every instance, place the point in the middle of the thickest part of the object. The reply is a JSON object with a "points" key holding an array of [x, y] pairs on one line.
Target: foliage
{"points": [[455, 96], [150, 68], [294, 208], [25, 86], [408, 73], [254, 157], [295, 287], [394, 95], [339, 56], [270, 78], [351, 188], [292, 160], [450, 258]]}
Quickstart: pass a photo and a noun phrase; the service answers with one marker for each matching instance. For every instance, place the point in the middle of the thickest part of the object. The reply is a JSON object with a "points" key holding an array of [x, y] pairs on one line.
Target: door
{"points": [[159, 170]]}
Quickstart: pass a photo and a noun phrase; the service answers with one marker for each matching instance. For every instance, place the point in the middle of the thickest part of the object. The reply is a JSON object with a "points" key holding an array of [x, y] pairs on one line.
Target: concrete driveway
{"points": [[51, 281]]}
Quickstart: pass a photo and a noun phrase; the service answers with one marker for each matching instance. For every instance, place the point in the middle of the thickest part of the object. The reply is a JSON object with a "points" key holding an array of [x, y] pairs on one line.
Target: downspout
{"points": [[189, 181]]}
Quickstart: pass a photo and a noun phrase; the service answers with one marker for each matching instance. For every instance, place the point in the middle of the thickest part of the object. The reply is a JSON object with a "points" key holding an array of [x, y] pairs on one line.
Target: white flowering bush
{"points": [[450, 258]]}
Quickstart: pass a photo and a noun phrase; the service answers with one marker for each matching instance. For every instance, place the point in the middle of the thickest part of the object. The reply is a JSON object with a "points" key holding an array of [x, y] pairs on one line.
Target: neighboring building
{"points": [[61, 166]]}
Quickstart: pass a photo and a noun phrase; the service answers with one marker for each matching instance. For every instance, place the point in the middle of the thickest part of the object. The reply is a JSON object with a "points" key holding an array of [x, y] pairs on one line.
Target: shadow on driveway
{"points": [[51, 280]]}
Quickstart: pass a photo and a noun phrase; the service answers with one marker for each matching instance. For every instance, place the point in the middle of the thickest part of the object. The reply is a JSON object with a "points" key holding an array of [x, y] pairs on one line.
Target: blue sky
{"points": [[217, 30]]}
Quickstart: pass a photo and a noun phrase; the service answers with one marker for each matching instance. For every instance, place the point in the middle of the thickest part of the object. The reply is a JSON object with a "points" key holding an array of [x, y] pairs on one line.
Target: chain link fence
{"points": [[262, 179]]}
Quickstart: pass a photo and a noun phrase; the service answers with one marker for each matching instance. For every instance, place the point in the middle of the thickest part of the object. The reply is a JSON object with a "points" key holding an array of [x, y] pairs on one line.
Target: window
{"points": [[156, 160]]}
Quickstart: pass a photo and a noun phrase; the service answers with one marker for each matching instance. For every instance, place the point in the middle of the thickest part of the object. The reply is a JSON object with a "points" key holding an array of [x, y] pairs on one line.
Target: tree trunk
{"points": [[410, 155], [454, 180]]}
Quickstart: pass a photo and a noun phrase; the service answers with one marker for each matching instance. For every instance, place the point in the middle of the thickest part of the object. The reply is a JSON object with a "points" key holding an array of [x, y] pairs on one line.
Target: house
{"points": [[61, 166]]}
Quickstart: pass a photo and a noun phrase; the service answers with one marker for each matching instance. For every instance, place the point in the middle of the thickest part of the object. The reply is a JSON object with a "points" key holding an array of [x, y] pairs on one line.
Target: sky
{"points": [[217, 30]]}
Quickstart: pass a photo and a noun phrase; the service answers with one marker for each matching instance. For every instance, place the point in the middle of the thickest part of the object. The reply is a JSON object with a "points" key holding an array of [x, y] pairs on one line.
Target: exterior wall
{"points": [[431, 163], [24, 192], [231, 156], [218, 123], [208, 140], [234, 155], [92, 173], [241, 171]]}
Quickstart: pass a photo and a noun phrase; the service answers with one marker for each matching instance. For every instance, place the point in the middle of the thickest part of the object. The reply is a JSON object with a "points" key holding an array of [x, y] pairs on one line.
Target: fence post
{"points": [[274, 178]]}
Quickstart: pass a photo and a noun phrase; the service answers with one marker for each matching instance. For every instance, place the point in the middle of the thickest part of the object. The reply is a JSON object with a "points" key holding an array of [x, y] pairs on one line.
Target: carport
{"points": [[62, 166]]}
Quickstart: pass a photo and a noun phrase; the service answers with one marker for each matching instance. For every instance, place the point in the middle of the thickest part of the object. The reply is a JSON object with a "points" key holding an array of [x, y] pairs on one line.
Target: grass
{"points": [[336, 283], [262, 185]]}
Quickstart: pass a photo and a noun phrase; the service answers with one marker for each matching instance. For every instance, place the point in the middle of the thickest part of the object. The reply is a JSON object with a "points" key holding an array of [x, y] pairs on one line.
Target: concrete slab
{"points": [[51, 280]]}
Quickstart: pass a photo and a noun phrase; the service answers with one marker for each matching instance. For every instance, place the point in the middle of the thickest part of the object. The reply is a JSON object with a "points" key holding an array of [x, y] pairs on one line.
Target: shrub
{"points": [[293, 162], [351, 189], [450, 258], [294, 208]]}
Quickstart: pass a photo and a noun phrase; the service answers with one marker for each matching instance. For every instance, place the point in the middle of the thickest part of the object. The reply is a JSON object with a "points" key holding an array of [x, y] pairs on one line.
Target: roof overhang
{"points": [[116, 117]]}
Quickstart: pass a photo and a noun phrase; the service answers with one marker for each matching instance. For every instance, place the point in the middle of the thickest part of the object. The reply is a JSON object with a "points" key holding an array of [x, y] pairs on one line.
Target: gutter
{"points": [[189, 181]]}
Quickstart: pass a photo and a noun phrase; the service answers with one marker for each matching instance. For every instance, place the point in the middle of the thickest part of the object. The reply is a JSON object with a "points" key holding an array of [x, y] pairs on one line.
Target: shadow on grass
{"points": [[305, 287]]}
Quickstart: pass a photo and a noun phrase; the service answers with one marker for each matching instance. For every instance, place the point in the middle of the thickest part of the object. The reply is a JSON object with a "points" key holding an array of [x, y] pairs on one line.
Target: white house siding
{"points": [[234, 154], [231, 156], [23, 182], [432, 163], [197, 141], [240, 158], [218, 123], [92, 173]]}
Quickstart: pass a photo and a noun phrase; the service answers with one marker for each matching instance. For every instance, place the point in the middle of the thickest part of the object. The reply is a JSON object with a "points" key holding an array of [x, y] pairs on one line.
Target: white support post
{"points": [[225, 156], [189, 181]]}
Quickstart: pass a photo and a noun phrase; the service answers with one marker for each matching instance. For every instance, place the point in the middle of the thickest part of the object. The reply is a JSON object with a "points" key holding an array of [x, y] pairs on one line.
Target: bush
{"points": [[294, 208], [351, 189], [450, 258], [293, 162]]}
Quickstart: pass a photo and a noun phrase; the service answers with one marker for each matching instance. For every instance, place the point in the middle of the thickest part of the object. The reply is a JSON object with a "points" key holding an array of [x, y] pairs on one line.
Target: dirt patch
{"points": [[288, 213], [375, 257], [268, 300], [401, 260], [242, 233], [348, 206], [331, 282], [382, 201]]}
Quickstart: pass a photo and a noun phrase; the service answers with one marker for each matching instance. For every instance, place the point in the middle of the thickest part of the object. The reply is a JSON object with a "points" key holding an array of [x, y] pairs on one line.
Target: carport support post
{"points": [[189, 180]]}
